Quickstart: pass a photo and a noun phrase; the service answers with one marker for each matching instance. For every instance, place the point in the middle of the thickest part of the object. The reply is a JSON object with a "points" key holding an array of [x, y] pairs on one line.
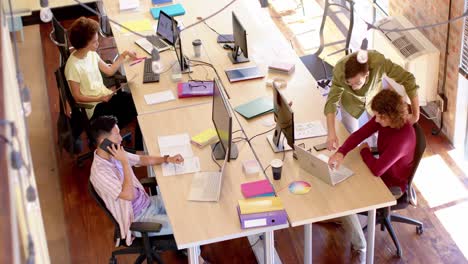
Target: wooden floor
{"points": [[90, 232]]}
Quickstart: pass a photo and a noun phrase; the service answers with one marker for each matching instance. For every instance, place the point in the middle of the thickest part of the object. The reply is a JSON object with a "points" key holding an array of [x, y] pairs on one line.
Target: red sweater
{"points": [[396, 151]]}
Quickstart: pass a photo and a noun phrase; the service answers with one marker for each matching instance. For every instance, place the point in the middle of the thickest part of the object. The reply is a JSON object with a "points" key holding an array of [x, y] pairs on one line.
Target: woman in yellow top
{"points": [[356, 80], [83, 73]]}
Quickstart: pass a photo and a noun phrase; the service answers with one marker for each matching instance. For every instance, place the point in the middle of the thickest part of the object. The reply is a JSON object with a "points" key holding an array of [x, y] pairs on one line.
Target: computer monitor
{"points": [[183, 62], [239, 53], [165, 27], [222, 120], [284, 118]]}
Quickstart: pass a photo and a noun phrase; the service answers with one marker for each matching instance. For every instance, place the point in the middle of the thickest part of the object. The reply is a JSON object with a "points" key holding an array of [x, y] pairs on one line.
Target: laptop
{"points": [[164, 38], [318, 167], [206, 185]]}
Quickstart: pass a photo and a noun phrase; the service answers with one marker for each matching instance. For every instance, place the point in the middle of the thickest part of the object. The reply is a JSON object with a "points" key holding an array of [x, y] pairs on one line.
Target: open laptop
{"points": [[318, 167], [164, 37], [206, 185]]}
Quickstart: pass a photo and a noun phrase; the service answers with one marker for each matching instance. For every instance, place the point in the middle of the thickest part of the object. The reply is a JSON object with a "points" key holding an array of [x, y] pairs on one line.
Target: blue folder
{"points": [[171, 10]]}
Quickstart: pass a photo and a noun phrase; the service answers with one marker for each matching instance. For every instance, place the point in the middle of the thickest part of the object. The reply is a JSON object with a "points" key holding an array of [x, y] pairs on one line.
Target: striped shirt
{"points": [[107, 178]]}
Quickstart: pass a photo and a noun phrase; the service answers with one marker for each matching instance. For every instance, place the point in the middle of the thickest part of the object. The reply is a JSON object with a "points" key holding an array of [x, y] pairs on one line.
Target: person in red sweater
{"points": [[396, 145]]}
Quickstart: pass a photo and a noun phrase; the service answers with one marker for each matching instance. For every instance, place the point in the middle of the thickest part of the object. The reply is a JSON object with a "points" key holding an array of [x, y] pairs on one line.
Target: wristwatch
{"points": [[165, 158]]}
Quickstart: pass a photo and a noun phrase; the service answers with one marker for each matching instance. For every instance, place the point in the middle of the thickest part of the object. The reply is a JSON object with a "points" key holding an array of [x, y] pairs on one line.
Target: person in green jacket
{"points": [[356, 80]]}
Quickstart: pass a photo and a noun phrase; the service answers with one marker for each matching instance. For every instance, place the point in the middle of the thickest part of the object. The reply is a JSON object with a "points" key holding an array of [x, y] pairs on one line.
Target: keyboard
{"points": [[148, 75], [156, 41], [205, 186]]}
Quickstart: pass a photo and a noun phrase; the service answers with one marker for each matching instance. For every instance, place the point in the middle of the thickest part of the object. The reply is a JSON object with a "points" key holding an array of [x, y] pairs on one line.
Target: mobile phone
{"points": [[320, 147], [106, 143]]}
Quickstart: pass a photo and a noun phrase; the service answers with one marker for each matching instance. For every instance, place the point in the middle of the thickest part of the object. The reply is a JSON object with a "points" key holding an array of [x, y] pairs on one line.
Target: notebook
{"points": [[204, 138], [194, 89], [260, 205], [257, 189], [255, 108], [128, 4], [171, 10], [158, 2]]}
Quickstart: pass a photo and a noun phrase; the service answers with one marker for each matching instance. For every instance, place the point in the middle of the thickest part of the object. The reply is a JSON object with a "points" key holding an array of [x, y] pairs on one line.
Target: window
{"points": [[382, 5], [464, 48]]}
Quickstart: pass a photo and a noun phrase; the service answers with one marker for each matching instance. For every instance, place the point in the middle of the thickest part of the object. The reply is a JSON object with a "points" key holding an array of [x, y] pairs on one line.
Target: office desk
{"points": [[126, 41], [199, 223]]}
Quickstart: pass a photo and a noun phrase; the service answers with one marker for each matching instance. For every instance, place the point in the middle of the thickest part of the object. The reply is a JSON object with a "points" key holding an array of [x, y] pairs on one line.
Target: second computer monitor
{"points": [[239, 53], [222, 120], [283, 137]]}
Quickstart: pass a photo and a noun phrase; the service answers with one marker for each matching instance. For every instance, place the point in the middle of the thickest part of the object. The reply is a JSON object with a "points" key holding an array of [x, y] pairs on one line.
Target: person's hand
{"points": [[118, 152], [363, 146], [334, 162], [130, 54], [332, 141], [105, 98], [412, 118], [176, 159]]}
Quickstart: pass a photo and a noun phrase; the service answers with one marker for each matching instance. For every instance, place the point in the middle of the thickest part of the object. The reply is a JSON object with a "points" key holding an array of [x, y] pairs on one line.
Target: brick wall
{"points": [[422, 12]]}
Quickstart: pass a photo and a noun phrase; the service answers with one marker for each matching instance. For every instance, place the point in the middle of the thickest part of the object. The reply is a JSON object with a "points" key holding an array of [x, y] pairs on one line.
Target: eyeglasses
{"points": [[196, 84]]}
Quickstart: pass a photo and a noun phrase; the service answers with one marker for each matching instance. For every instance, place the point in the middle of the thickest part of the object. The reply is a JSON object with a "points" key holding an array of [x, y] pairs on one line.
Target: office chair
{"points": [[385, 216], [148, 247], [105, 29], [320, 69], [59, 37]]}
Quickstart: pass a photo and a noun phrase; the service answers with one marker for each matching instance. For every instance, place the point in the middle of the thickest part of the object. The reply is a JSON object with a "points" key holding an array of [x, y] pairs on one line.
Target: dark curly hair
{"points": [[390, 103], [353, 67], [82, 31]]}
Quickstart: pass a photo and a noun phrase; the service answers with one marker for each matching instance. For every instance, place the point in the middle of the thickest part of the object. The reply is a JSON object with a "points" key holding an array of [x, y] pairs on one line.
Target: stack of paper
{"points": [[309, 130], [263, 211], [260, 188], [160, 97], [178, 144], [206, 137]]}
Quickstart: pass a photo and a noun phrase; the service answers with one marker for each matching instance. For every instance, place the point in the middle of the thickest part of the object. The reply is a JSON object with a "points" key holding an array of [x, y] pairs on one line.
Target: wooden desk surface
{"points": [[198, 223], [126, 41]]}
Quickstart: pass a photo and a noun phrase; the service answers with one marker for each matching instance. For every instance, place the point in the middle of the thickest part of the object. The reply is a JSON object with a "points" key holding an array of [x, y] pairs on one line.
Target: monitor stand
{"points": [[187, 68], [240, 58], [219, 154], [281, 147]]}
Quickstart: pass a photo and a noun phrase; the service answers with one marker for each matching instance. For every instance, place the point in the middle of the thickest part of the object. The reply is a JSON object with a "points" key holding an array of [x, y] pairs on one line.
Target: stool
{"points": [[17, 26]]}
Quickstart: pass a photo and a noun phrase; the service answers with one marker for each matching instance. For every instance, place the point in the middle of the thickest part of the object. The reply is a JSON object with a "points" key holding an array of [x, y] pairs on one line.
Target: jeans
{"points": [[155, 213]]}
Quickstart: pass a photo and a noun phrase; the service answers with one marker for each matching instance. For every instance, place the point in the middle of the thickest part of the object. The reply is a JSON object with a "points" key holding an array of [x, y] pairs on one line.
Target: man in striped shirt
{"points": [[113, 179]]}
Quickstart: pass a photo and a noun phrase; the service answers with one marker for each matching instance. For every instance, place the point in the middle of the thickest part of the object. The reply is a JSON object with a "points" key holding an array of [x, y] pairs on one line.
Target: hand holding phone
{"points": [[107, 143]]}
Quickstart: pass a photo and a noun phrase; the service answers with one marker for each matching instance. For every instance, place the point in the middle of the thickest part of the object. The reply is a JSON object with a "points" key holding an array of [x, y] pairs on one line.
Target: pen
{"points": [[136, 62]]}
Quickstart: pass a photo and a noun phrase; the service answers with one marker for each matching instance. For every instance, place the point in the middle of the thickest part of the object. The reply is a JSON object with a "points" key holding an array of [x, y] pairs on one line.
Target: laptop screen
{"points": [[165, 28]]}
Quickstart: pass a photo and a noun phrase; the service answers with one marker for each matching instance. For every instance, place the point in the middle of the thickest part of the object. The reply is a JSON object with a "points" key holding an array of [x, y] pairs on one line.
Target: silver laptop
{"points": [[318, 167], [164, 38], [206, 185]]}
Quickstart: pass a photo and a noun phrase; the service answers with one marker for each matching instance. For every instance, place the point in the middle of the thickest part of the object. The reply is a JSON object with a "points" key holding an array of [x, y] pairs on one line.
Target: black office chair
{"points": [[148, 247], [59, 37], [319, 68], [385, 216], [105, 29]]}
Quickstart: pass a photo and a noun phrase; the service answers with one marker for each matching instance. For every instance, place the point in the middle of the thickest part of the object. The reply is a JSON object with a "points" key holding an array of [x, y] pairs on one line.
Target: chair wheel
{"points": [[398, 252], [419, 230], [112, 260]]}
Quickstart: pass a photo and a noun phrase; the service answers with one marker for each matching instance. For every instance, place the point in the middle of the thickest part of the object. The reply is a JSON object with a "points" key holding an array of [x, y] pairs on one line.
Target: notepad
{"points": [[260, 205], [171, 10], [140, 25], [255, 108], [204, 138], [257, 189], [178, 144], [160, 97], [309, 130]]}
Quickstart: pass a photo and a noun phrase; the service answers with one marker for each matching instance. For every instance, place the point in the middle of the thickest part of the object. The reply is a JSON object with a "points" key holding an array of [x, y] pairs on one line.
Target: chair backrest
{"points": [[64, 89], [344, 5], [59, 37], [102, 205], [418, 151]]}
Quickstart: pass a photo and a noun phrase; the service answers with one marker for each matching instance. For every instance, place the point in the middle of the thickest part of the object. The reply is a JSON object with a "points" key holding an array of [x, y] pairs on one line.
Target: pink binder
{"points": [[262, 219], [257, 188]]}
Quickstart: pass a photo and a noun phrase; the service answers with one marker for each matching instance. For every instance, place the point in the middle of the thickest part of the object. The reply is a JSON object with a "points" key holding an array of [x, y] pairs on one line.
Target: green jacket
{"points": [[355, 102]]}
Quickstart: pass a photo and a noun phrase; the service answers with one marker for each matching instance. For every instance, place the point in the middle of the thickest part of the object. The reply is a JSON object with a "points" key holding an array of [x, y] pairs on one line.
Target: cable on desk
{"points": [[260, 134], [212, 29]]}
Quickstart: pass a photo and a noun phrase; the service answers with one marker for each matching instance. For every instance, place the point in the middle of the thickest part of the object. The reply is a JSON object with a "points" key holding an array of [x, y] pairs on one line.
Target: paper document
{"points": [[160, 97], [309, 129], [178, 144], [128, 4], [137, 25]]}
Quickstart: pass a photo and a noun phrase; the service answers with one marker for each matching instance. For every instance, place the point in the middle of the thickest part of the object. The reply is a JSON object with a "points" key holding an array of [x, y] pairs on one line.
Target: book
{"points": [[282, 67], [171, 10], [204, 138], [194, 89], [158, 2], [272, 218], [255, 108], [257, 188], [260, 205]]}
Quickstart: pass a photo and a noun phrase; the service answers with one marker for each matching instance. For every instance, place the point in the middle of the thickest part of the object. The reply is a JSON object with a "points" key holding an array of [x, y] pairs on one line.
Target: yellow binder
{"points": [[260, 205]]}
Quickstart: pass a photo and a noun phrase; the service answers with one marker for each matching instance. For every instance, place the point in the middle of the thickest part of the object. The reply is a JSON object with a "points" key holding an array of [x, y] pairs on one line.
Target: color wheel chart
{"points": [[299, 187]]}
